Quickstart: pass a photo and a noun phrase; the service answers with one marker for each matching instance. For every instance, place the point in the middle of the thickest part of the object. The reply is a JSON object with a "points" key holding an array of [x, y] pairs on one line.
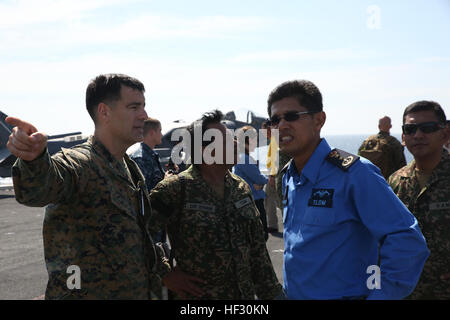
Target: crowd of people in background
{"points": [[342, 214]]}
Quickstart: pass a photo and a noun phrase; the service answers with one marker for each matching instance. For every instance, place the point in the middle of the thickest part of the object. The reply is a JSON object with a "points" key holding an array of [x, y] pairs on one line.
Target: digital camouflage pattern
{"points": [[431, 207], [218, 240], [384, 151], [92, 220]]}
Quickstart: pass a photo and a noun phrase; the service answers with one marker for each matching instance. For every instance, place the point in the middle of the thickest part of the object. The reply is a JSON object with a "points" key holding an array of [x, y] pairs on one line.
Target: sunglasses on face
{"points": [[425, 127], [289, 116]]}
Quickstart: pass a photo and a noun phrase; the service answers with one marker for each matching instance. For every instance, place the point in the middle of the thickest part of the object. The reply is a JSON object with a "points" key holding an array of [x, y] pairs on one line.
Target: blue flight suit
{"points": [[148, 162], [341, 218], [248, 170]]}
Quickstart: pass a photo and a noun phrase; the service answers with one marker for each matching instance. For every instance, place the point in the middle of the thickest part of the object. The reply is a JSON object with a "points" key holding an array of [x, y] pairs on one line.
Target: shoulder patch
{"points": [[342, 159]]}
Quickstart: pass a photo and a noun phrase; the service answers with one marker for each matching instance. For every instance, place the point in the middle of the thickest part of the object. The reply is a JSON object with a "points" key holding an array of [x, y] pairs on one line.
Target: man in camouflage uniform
{"points": [[383, 150], [214, 226], [424, 187], [97, 211]]}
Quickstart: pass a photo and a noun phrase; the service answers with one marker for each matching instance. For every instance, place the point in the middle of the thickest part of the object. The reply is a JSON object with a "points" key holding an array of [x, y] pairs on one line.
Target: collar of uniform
{"points": [[146, 148], [195, 173], [442, 169], [409, 170], [246, 159], [101, 149], [312, 167], [132, 166], [113, 164]]}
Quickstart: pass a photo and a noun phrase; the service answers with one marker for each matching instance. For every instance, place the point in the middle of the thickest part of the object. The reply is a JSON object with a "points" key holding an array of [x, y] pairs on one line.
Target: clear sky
{"points": [[368, 58]]}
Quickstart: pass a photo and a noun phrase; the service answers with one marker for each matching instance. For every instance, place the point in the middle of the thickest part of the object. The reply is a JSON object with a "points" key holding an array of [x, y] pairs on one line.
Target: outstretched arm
{"points": [[38, 179]]}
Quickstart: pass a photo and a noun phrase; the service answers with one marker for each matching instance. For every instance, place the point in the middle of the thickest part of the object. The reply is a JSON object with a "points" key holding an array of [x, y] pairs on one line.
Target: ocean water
{"points": [[349, 143]]}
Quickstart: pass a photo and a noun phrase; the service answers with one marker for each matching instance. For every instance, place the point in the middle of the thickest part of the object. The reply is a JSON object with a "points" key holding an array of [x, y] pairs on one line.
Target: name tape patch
{"points": [[440, 205], [321, 198], [200, 207], [242, 203]]}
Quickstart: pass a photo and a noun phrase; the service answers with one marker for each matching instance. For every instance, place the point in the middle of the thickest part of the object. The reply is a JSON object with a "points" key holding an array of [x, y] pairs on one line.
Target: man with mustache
{"points": [[346, 234], [424, 187]]}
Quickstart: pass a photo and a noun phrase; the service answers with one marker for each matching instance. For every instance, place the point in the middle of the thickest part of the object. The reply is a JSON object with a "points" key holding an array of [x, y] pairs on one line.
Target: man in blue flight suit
{"points": [[146, 158], [346, 234]]}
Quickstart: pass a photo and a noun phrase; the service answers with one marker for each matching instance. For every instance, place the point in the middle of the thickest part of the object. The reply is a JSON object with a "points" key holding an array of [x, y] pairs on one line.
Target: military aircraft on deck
{"points": [[54, 144]]}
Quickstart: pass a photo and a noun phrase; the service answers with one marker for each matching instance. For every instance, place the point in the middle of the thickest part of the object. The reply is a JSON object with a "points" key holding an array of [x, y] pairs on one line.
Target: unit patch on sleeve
{"points": [[242, 203]]}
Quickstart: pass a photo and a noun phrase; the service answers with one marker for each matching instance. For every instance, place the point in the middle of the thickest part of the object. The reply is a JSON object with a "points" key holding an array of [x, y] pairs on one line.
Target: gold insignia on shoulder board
{"points": [[347, 161], [334, 154]]}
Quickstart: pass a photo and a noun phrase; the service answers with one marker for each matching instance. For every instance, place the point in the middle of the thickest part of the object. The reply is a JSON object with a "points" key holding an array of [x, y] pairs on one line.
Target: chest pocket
{"points": [[317, 216], [121, 197], [199, 226]]}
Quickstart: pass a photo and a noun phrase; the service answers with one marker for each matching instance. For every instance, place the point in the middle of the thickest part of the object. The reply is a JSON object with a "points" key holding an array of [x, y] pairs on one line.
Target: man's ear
{"points": [[446, 135], [103, 112], [320, 119], [403, 140]]}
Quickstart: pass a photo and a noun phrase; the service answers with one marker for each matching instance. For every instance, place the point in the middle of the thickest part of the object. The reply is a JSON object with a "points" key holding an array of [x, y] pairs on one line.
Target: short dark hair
{"points": [[306, 93], [210, 117], [425, 105], [151, 124], [106, 88]]}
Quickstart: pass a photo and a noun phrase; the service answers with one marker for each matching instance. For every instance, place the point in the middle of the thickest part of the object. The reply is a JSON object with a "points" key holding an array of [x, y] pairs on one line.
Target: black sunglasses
{"points": [[289, 116], [425, 127]]}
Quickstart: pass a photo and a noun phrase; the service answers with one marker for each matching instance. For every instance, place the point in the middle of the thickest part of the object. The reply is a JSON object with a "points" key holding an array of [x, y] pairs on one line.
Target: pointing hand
{"points": [[25, 141]]}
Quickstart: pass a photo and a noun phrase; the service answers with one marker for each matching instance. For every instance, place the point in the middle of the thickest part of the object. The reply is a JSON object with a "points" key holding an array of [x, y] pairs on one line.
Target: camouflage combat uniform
{"points": [[384, 151], [93, 220], [218, 240], [431, 207]]}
